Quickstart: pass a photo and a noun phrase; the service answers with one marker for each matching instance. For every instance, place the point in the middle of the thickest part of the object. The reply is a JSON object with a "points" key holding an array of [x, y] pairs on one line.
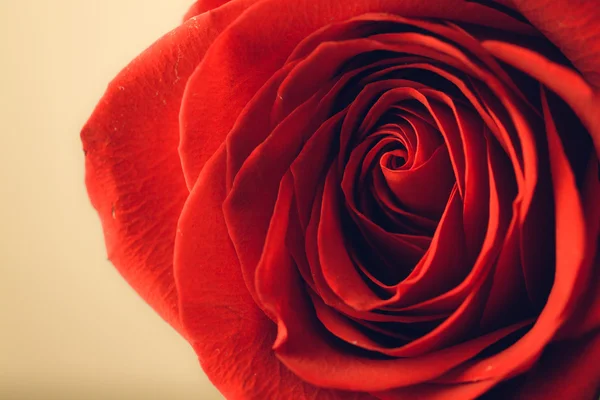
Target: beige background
{"points": [[70, 328]]}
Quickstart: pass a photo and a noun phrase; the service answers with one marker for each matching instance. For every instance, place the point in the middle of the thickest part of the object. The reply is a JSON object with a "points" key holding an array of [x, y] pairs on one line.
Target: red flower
{"points": [[364, 199]]}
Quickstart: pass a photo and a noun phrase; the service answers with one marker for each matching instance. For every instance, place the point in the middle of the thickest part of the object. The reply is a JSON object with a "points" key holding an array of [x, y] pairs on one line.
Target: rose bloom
{"points": [[364, 199]]}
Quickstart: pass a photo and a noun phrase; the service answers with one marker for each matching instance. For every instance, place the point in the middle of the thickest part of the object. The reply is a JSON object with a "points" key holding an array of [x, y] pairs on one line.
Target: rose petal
{"points": [[133, 172], [201, 6], [437, 391], [230, 334], [566, 370], [573, 27], [587, 314], [336, 264], [253, 192], [574, 257], [563, 80], [249, 204], [414, 188], [507, 301], [377, 23], [501, 227], [445, 257], [311, 165], [237, 65], [321, 285], [390, 245], [301, 344]]}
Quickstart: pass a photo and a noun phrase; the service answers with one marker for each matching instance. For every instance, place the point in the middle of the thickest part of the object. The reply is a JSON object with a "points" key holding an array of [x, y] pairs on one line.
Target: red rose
{"points": [[365, 199]]}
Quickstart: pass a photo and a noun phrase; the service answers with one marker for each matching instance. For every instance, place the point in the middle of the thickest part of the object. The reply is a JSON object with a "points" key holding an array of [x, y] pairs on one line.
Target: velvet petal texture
{"points": [[133, 172]]}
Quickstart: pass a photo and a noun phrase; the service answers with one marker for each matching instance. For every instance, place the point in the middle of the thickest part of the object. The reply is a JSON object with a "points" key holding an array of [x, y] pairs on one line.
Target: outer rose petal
{"points": [[133, 171], [202, 6], [574, 26], [231, 335]]}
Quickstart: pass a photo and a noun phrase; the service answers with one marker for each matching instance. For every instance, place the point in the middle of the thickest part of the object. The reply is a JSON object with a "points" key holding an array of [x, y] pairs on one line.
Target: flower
{"points": [[373, 199]]}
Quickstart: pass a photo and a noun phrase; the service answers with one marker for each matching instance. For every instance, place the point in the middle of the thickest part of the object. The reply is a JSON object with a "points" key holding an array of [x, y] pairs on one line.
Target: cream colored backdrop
{"points": [[70, 328]]}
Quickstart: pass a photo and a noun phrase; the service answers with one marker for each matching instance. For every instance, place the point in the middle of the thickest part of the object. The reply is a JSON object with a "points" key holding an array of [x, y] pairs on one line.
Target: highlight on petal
{"points": [[202, 6]]}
